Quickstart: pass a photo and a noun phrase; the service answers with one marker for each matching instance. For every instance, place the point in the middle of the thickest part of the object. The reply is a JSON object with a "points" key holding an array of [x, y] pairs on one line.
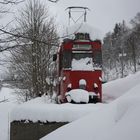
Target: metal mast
{"points": [[82, 13]]}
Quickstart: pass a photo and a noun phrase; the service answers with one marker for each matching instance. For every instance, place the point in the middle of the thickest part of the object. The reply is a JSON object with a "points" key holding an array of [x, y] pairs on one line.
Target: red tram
{"points": [[80, 67]]}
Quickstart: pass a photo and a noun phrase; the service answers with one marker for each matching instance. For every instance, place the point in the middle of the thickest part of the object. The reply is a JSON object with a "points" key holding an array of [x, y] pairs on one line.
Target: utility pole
{"points": [[121, 56], [77, 9]]}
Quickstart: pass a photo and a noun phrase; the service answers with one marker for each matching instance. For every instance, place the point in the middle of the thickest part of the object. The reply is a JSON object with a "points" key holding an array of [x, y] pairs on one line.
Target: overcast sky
{"points": [[104, 13]]}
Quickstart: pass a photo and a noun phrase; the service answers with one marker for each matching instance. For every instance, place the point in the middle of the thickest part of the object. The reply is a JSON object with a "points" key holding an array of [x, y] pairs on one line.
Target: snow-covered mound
{"points": [[7, 102], [78, 95], [40, 109], [83, 28], [118, 120], [116, 88]]}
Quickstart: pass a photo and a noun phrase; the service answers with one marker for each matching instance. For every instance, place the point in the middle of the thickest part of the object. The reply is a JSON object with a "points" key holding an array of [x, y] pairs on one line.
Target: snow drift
{"points": [[78, 95], [118, 120], [116, 88], [40, 110]]}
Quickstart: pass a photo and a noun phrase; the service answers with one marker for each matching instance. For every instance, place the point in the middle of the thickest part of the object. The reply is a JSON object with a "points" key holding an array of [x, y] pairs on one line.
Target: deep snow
{"points": [[5, 109], [118, 120], [39, 109], [116, 88]]}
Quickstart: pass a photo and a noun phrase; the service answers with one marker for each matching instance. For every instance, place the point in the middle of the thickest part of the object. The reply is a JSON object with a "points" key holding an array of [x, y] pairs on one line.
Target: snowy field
{"points": [[117, 118], [7, 103]]}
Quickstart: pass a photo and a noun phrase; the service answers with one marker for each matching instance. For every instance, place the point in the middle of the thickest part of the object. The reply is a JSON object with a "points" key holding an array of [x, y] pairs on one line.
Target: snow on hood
{"points": [[78, 95], [84, 64], [83, 28]]}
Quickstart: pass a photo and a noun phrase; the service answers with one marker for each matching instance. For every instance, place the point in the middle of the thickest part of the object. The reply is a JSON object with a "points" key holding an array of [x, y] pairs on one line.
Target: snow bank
{"points": [[116, 88], [125, 102], [39, 109], [86, 128], [118, 120], [5, 109]]}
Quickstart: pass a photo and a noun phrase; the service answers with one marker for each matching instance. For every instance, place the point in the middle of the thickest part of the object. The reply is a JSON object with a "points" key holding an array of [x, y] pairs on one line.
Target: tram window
{"points": [[79, 56], [81, 46], [82, 36], [66, 59], [98, 57]]}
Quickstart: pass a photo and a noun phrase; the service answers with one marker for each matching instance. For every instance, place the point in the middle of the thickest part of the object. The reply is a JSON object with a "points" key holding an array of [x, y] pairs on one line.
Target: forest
{"points": [[121, 49]]}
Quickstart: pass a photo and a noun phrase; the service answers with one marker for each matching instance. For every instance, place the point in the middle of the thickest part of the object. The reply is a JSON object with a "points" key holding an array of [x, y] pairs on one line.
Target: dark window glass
{"points": [[66, 59], [79, 56], [98, 57], [82, 36], [82, 47]]}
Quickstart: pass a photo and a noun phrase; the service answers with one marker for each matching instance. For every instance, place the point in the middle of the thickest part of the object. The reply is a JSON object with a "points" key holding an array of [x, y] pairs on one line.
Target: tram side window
{"points": [[98, 58], [66, 59]]}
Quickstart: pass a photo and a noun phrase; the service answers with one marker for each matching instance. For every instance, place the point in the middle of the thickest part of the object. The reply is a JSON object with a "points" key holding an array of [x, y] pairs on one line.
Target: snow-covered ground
{"points": [[116, 88], [37, 109], [6, 95], [117, 120]]}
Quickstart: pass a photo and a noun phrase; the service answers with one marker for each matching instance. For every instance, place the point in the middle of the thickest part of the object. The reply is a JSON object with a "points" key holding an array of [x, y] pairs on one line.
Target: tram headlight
{"points": [[64, 78], [82, 84], [96, 88], [100, 79], [95, 85], [69, 87]]}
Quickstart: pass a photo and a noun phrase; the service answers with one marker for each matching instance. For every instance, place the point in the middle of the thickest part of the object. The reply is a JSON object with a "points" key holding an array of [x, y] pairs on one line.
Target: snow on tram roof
{"points": [[84, 28]]}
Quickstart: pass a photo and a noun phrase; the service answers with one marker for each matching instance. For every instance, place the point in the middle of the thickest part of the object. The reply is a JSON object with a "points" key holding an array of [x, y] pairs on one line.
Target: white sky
{"points": [[104, 13]]}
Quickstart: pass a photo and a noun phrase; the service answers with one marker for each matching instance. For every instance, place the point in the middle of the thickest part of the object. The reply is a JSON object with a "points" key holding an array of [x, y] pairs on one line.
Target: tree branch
{"points": [[11, 1], [55, 1], [22, 36], [11, 47]]}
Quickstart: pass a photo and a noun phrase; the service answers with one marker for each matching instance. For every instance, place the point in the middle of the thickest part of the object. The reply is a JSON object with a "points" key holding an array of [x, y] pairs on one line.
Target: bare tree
{"points": [[5, 38], [7, 35], [33, 62]]}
